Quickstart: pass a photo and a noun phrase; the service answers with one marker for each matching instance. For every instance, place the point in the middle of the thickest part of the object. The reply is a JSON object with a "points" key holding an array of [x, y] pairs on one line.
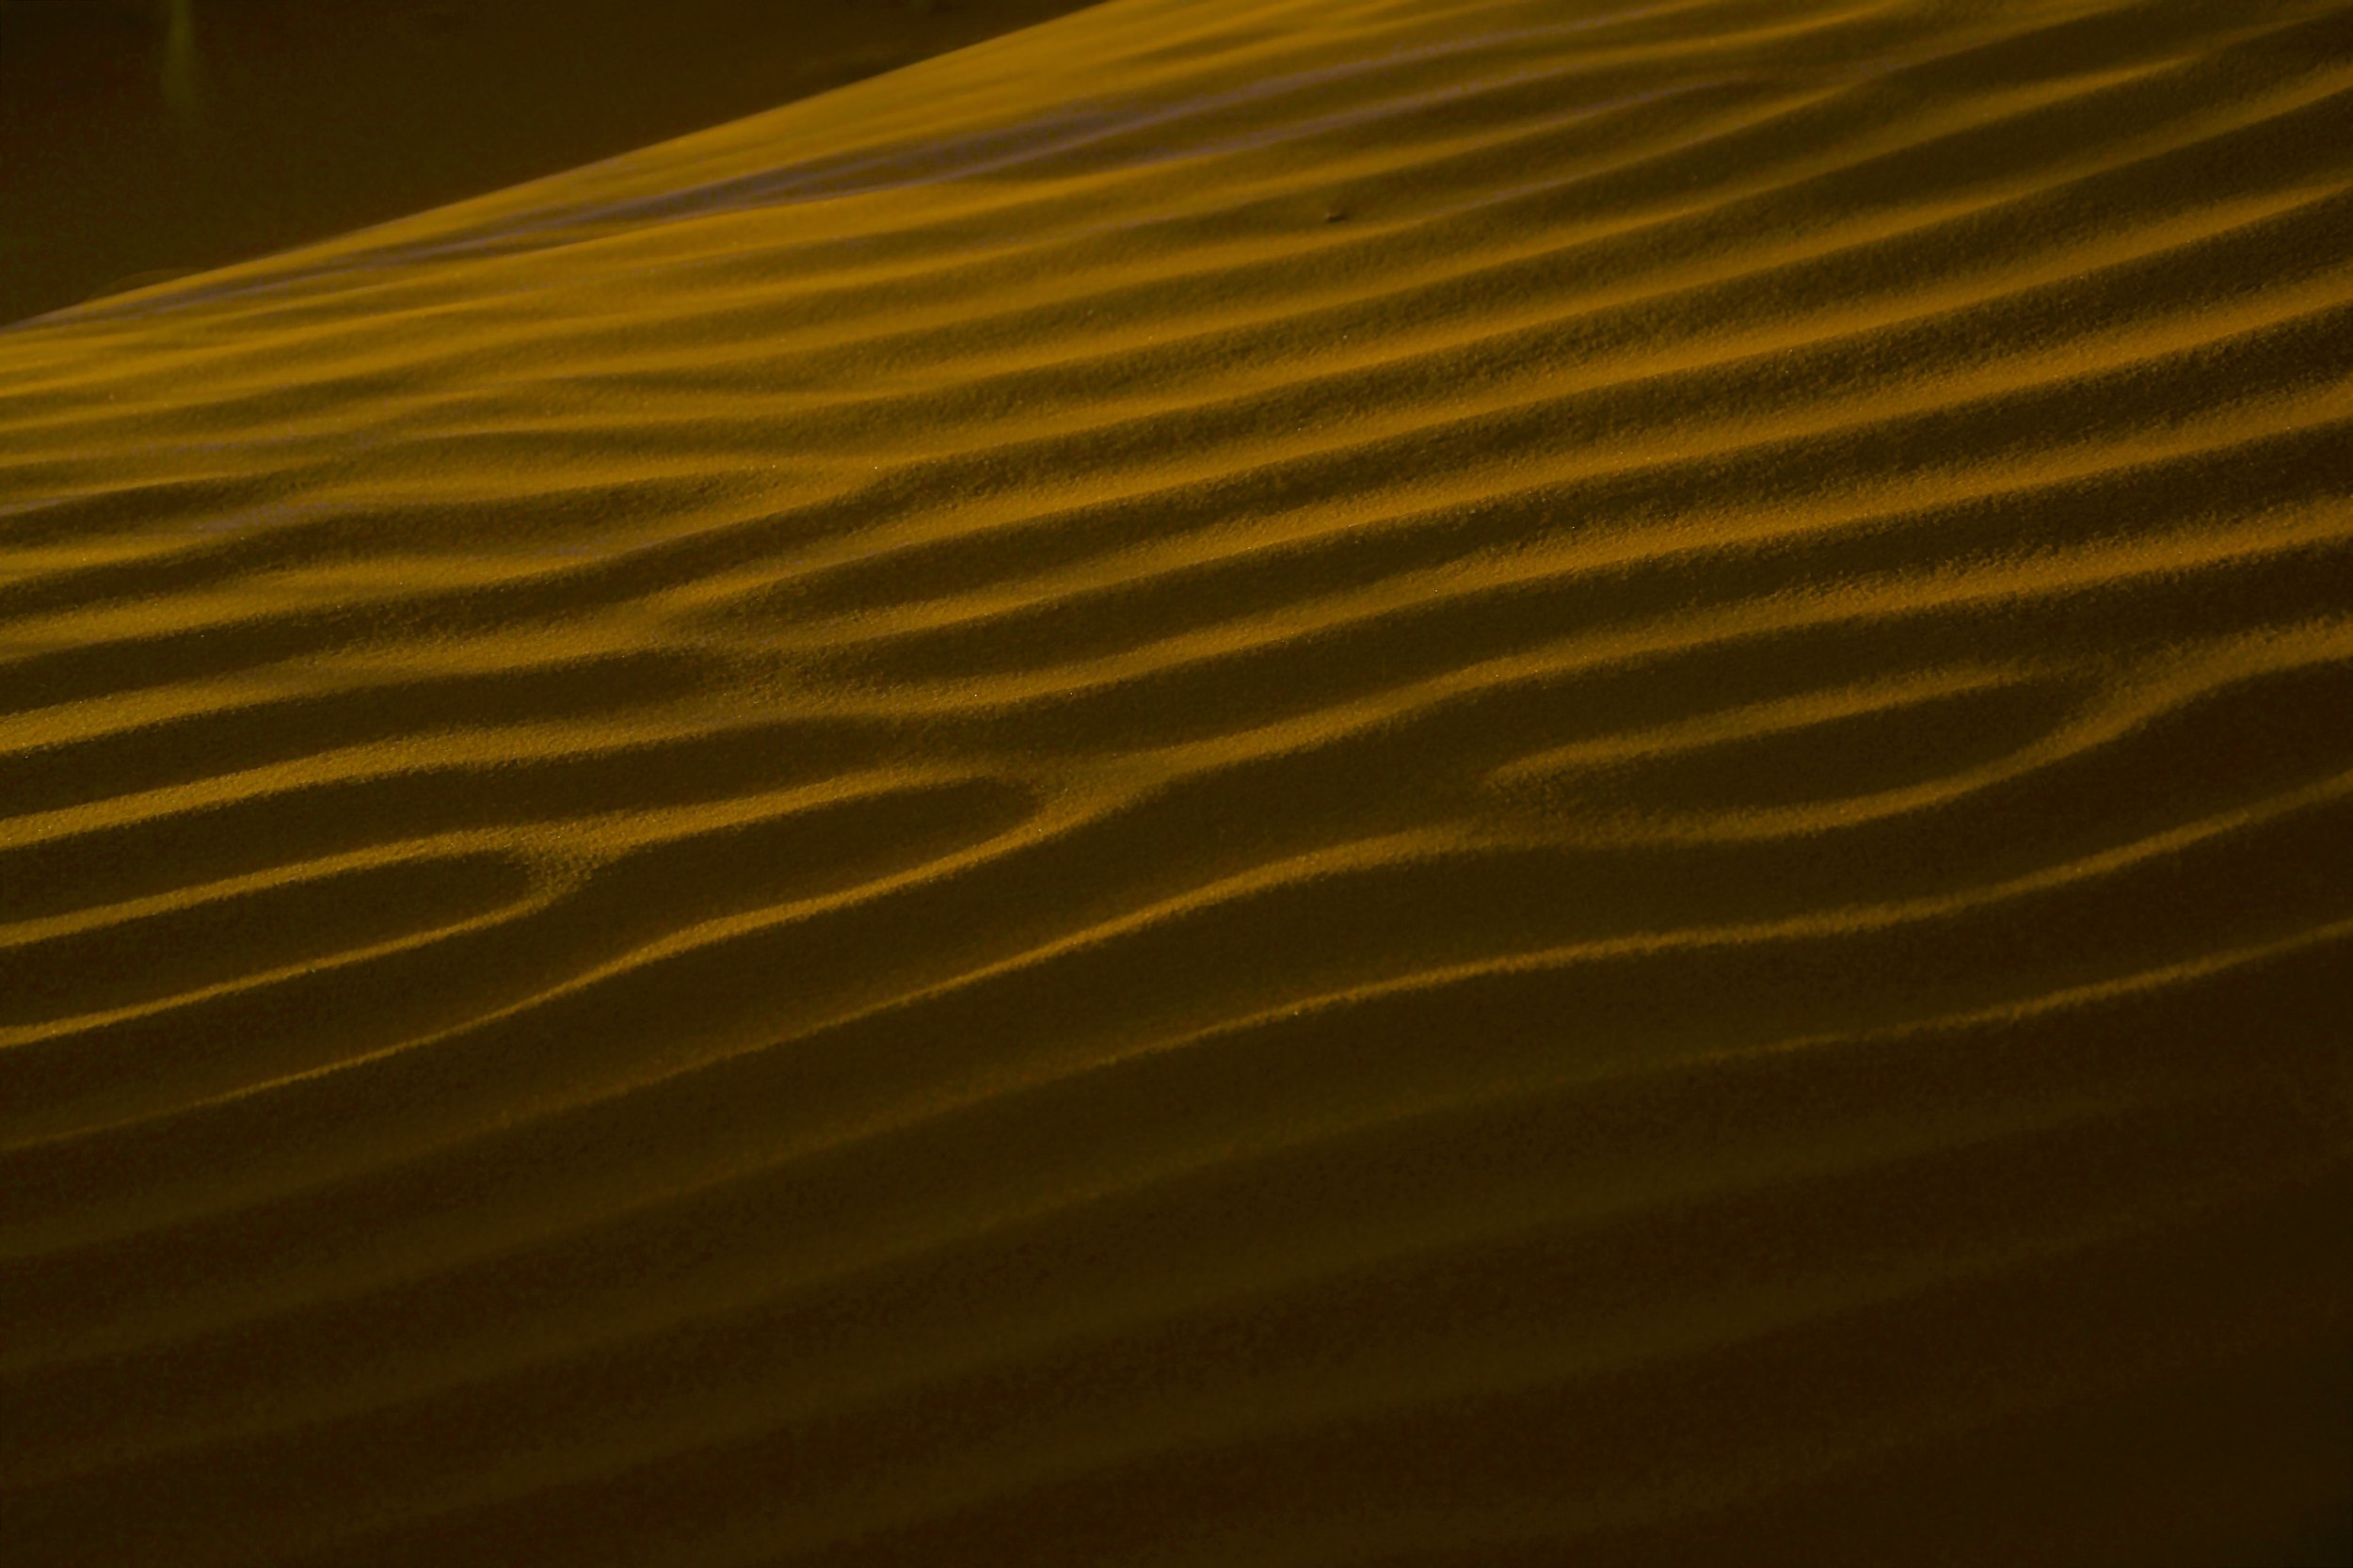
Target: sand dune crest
{"points": [[1350, 781]]}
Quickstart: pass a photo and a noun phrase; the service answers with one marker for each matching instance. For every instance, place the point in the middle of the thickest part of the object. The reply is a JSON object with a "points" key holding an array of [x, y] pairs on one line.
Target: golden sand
{"points": [[1347, 781]]}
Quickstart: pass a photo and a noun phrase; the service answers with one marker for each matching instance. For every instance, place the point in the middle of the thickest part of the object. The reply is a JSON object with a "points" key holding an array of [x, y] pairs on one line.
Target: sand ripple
{"points": [[1341, 781]]}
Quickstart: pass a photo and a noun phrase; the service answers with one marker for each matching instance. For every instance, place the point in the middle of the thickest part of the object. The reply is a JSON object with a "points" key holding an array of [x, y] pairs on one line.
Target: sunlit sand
{"points": [[1348, 781]]}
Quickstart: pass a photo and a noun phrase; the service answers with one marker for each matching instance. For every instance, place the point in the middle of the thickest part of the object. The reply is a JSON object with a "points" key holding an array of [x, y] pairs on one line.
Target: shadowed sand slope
{"points": [[143, 139], [1359, 781]]}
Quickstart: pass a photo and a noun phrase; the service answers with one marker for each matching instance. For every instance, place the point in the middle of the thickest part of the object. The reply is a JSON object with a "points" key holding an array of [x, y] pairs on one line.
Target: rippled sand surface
{"points": [[1348, 781]]}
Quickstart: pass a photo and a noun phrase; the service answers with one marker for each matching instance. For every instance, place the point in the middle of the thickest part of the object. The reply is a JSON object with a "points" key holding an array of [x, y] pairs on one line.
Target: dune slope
{"points": [[1348, 781]]}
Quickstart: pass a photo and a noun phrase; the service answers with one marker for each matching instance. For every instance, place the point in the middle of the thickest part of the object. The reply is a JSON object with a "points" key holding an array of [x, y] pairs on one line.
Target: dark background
{"points": [[126, 158]]}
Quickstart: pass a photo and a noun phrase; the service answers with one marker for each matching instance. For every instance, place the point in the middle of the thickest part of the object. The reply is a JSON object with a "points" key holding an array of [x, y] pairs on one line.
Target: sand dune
{"points": [[1369, 781]]}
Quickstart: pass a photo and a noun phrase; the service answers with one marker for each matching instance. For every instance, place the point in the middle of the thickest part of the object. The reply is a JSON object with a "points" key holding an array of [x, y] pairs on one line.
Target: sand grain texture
{"points": [[1359, 781]]}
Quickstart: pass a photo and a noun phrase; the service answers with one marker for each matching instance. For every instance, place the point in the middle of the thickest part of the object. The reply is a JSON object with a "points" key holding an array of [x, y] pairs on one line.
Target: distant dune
{"points": [[145, 139], [1336, 781]]}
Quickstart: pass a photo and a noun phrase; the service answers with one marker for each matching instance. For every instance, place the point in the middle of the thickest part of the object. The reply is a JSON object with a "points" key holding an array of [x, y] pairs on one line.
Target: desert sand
{"points": [[1341, 781]]}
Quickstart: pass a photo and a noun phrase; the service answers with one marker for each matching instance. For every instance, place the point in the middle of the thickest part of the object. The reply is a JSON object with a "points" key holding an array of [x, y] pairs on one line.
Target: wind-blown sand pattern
{"points": [[1360, 781]]}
